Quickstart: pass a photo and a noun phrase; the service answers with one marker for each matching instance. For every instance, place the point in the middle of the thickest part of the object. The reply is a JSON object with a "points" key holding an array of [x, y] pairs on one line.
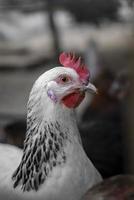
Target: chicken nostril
{"points": [[85, 82]]}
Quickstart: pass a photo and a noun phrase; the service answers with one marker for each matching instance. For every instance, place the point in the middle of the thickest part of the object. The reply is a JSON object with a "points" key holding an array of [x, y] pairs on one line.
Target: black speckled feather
{"points": [[42, 152]]}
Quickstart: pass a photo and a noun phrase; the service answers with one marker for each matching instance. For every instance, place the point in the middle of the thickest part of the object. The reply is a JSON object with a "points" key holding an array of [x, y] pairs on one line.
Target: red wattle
{"points": [[73, 100]]}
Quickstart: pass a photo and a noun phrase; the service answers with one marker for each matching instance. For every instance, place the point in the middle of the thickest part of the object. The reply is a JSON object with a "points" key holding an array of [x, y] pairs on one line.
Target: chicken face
{"points": [[67, 87]]}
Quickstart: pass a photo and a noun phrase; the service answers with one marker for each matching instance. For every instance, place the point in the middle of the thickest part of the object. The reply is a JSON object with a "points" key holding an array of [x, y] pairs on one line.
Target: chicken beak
{"points": [[91, 88]]}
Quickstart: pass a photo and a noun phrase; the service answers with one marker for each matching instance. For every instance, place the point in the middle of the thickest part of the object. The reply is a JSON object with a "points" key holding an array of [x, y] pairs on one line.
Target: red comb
{"points": [[70, 60]]}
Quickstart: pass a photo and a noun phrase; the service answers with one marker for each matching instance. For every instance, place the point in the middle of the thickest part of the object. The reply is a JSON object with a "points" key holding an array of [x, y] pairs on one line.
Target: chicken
{"points": [[119, 187], [103, 123], [53, 164]]}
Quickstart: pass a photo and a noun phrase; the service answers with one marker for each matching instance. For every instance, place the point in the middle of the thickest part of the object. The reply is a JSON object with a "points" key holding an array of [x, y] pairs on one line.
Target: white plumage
{"points": [[53, 164]]}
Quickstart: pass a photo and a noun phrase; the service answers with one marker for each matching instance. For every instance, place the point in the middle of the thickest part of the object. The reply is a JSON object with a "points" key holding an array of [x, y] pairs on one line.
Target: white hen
{"points": [[53, 165]]}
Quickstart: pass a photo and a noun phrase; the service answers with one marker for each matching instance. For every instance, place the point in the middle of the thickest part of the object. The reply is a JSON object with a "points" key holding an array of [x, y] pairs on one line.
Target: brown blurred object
{"points": [[115, 188], [102, 127], [129, 137]]}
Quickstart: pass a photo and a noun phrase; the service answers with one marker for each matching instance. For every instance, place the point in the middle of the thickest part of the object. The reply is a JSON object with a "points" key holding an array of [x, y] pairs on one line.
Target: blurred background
{"points": [[33, 33]]}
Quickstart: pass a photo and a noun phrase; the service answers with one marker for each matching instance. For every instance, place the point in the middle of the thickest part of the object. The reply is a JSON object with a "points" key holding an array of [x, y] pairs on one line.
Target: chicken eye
{"points": [[64, 79]]}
